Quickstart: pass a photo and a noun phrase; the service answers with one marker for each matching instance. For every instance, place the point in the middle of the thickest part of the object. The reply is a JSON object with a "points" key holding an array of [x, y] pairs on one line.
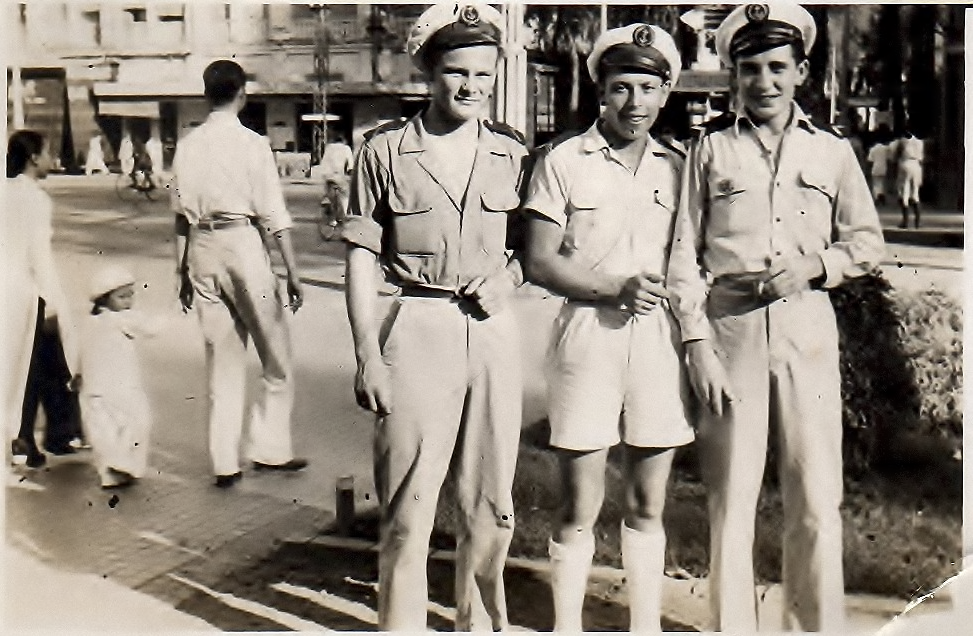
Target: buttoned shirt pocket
{"points": [[496, 207], [583, 205], [415, 229], [817, 193], [728, 194]]}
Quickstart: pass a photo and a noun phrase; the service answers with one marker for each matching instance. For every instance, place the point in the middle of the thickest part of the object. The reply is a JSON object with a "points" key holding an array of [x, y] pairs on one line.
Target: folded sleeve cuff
{"points": [[835, 263], [364, 232], [696, 330]]}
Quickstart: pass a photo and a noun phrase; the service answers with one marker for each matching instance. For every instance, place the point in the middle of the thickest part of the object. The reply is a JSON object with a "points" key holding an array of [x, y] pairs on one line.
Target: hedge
{"points": [[901, 368]]}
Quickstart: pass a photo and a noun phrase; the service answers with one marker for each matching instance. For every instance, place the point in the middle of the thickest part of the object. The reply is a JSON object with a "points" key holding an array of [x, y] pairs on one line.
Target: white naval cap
{"points": [[639, 46], [754, 28], [108, 278], [453, 25]]}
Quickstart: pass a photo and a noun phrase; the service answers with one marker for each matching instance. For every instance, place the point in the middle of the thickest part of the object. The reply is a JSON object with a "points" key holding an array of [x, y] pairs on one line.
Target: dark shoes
{"points": [[226, 481], [35, 458], [62, 449], [298, 463]]}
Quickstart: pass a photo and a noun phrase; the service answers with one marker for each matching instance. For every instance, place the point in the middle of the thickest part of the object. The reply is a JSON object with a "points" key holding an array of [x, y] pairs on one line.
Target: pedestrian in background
{"points": [[95, 161], [775, 210], [39, 348], [335, 168], [431, 199], [909, 154], [225, 185], [603, 204], [878, 159], [116, 408], [126, 155]]}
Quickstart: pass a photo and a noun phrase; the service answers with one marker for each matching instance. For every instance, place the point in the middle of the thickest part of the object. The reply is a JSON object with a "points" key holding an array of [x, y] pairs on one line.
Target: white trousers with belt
{"points": [[456, 407], [782, 362], [238, 299]]}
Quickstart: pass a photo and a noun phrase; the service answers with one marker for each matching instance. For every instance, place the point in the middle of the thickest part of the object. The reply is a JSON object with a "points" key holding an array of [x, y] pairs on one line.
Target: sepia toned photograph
{"points": [[466, 316]]}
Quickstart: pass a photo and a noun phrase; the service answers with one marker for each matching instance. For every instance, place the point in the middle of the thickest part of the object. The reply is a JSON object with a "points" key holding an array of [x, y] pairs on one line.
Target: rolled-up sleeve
{"points": [[859, 244], [686, 277], [268, 195], [369, 182], [545, 193]]}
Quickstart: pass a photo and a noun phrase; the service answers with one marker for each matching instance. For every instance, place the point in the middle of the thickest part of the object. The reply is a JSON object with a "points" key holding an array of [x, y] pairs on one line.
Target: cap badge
{"points": [[643, 36], [725, 186], [757, 12], [469, 16]]}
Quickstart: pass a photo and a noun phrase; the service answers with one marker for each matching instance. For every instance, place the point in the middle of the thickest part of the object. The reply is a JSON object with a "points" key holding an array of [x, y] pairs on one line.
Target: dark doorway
{"points": [[254, 117]]}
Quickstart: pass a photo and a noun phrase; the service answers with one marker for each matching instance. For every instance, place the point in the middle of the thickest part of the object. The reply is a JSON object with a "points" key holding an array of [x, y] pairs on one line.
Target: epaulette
{"points": [[388, 126], [828, 128], [718, 123], [674, 146], [505, 130], [557, 141]]}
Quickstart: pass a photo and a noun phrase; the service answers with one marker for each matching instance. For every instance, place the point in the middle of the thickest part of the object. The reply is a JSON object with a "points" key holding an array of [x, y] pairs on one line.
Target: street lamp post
{"points": [[320, 105]]}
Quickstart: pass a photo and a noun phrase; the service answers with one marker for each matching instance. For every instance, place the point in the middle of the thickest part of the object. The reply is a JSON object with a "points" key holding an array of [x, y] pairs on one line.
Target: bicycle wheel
{"points": [[125, 189]]}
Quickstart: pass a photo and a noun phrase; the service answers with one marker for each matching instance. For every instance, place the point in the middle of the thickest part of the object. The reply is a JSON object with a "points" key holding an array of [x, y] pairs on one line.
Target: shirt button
{"points": [[777, 220]]}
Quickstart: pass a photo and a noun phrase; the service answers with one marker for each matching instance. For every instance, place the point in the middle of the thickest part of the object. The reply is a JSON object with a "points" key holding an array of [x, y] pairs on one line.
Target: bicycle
{"points": [[139, 183]]}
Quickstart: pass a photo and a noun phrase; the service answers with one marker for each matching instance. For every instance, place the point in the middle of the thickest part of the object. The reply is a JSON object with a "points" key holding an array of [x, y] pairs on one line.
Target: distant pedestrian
{"points": [[225, 186], [909, 154], [37, 344], [126, 154], [95, 161], [878, 159], [116, 409], [336, 166]]}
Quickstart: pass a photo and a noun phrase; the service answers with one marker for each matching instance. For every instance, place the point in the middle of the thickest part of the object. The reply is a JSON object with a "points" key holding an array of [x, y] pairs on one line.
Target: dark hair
{"points": [[22, 145], [222, 80], [431, 55], [797, 48]]}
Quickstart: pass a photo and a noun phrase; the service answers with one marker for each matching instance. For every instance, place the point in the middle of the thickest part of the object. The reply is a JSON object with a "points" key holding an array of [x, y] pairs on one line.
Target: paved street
{"points": [[176, 540]]}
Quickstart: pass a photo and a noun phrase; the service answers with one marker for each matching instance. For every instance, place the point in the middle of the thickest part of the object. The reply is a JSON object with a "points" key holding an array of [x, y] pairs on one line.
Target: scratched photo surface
{"points": [[146, 541]]}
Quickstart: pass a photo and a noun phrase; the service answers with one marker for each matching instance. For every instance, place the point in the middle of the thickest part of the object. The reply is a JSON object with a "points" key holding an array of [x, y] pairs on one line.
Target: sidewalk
{"points": [[939, 228]]}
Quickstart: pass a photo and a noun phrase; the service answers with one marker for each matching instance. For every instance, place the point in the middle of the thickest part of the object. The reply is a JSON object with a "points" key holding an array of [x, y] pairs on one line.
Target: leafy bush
{"points": [[901, 368]]}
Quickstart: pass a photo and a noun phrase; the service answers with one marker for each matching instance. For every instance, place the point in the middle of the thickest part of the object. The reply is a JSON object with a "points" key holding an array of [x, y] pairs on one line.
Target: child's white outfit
{"points": [[115, 406]]}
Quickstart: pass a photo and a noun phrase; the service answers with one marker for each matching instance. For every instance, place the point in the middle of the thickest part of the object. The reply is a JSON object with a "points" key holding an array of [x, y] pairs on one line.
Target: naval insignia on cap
{"points": [[643, 36], [469, 16], [757, 12]]}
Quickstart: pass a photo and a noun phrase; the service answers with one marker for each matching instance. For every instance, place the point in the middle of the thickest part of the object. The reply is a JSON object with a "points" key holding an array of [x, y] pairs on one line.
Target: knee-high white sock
{"points": [[570, 566], [643, 557]]}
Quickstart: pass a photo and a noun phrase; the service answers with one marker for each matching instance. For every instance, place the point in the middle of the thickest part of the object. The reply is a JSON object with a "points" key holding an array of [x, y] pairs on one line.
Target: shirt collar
{"points": [[412, 138], [223, 117], [798, 118], [592, 140]]}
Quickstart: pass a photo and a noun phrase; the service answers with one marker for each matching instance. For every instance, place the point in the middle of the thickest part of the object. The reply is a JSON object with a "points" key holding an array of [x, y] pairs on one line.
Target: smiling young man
{"points": [[602, 205], [774, 211], [430, 202]]}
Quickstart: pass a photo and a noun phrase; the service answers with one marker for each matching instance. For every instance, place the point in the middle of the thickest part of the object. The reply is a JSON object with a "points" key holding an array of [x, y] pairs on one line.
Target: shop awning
{"points": [[129, 109]]}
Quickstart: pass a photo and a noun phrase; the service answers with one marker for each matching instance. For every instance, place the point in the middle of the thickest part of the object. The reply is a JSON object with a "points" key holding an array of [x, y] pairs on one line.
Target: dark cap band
{"points": [[458, 35], [762, 35], [632, 56]]}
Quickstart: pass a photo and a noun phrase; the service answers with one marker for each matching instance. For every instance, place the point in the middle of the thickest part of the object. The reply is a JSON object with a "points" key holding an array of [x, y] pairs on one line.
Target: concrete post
{"points": [[17, 93]]}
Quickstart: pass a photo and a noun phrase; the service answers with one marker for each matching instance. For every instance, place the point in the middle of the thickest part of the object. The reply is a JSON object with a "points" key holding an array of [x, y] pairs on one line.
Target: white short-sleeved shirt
{"points": [[225, 170], [615, 221]]}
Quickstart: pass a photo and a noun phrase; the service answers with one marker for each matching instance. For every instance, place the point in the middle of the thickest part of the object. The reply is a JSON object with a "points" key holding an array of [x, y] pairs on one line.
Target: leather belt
{"points": [[418, 291], [745, 283], [208, 225]]}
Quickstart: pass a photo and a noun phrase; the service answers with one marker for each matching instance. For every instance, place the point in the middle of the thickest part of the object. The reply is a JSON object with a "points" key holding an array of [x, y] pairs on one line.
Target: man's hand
{"points": [[791, 276], [295, 292], [708, 377], [373, 389], [490, 293], [185, 291], [643, 293]]}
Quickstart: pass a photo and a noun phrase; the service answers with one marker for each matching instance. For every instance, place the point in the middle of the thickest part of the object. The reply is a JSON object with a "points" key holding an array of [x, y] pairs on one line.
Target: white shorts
{"points": [[613, 377], [910, 180]]}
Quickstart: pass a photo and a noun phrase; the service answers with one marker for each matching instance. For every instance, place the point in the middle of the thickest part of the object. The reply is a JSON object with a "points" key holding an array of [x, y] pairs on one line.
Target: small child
{"points": [[117, 416]]}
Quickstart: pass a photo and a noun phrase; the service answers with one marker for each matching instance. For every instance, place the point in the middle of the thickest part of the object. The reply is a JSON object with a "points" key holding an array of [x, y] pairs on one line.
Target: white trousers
{"points": [[782, 362], [238, 299]]}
